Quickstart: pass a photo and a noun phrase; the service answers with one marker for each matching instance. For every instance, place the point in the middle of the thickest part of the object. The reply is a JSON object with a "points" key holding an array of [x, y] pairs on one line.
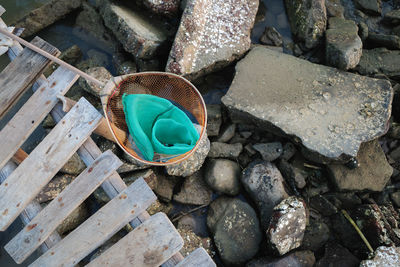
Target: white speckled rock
{"points": [[212, 34], [163, 7], [287, 226], [385, 256]]}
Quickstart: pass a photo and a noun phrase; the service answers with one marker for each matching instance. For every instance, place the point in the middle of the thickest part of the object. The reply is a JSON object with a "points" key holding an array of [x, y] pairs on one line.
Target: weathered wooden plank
{"points": [[25, 121], [30, 238], [150, 244], [22, 72], [99, 227], [199, 257], [46, 160]]}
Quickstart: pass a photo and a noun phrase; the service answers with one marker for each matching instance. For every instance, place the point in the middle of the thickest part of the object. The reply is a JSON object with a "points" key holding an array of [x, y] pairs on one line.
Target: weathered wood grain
{"points": [[199, 257], [99, 227], [46, 160], [22, 72], [25, 121], [30, 238], [150, 244]]}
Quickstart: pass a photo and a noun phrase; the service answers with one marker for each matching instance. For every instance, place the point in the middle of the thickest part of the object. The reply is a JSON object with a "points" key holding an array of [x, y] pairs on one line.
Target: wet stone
{"points": [[101, 74], [395, 198], [214, 119], [266, 186], [223, 150], [370, 6], [194, 191], [303, 258], [269, 151], [74, 165], [193, 241], [227, 133], [295, 175], [223, 176], [271, 37], [288, 151], [392, 17], [336, 255], [165, 187], [323, 205], [384, 256], [54, 187], [308, 101], [78, 216], [384, 40], [316, 235], [287, 225], [334, 8], [372, 174], [380, 60], [343, 45], [211, 35]]}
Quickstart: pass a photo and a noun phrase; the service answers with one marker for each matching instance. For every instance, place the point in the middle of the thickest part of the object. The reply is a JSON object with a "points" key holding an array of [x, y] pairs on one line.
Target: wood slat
{"points": [[150, 244], [199, 257], [46, 160], [99, 227], [30, 238], [22, 72], [25, 121]]}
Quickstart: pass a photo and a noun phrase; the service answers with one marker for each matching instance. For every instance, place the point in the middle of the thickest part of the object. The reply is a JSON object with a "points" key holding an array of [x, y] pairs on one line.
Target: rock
{"points": [[373, 173], [307, 20], [395, 198], [363, 31], [194, 191], [323, 205], [316, 235], [384, 40], [392, 17], [158, 206], [223, 150], [101, 74], [269, 151], [289, 150], [271, 37], [74, 165], [167, 7], [343, 45], [287, 226], [301, 99], [235, 228], [384, 256], [54, 187], [193, 163], [193, 241], [223, 176], [139, 35], [304, 258], [148, 65], [227, 133], [78, 216], [46, 15], [293, 174], [336, 255], [71, 55], [214, 119], [372, 7], [334, 8], [265, 184], [127, 67], [130, 166], [165, 187], [380, 60], [212, 34], [148, 176]]}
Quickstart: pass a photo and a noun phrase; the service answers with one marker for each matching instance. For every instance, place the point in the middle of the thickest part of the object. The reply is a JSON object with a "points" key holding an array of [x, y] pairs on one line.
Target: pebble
{"points": [[223, 176]]}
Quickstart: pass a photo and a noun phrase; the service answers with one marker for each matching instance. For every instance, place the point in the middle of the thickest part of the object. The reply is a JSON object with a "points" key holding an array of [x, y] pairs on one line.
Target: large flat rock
{"points": [[212, 34], [329, 111]]}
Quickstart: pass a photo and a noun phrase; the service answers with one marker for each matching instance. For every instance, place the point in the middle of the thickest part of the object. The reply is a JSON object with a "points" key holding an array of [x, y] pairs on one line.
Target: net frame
{"points": [[121, 136]]}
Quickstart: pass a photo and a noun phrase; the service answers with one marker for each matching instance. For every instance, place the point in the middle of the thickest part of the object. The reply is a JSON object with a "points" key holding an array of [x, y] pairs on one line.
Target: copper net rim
{"points": [[190, 88]]}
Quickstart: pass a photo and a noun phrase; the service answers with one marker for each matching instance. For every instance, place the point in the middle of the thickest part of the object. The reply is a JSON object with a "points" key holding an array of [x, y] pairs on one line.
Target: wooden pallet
{"points": [[154, 240]]}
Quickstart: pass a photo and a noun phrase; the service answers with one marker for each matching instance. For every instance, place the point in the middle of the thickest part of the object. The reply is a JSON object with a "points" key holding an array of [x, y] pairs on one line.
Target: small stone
{"points": [[193, 163], [74, 165], [194, 191], [235, 228], [101, 74], [271, 37], [303, 258], [316, 235], [165, 187], [269, 151], [293, 174], [54, 187], [363, 31], [323, 205], [289, 150], [384, 256], [223, 176], [166, 7], [193, 241], [227, 134], [372, 7], [334, 8], [384, 40], [211, 35], [392, 17], [266, 186], [78, 216], [223, 150], [395, 198], [287, 226], [214, 119], [336, 255], [343, 45], [380, 60], [373, 173]]}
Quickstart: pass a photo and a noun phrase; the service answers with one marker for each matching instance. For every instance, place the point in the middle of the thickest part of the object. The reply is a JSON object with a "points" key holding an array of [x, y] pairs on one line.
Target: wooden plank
{"points": [[99, 227], [150, 244], [22, 72], [25, 121], [46, 160], [30, 238], [199, 257]]}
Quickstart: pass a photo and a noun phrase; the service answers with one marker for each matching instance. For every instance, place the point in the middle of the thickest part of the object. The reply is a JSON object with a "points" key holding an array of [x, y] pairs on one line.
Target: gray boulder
{"points": [[212, 34], [235, 229], [265, 185], [223, 176], [307, 20], [343, 45], [330, 112], [380, 60]]}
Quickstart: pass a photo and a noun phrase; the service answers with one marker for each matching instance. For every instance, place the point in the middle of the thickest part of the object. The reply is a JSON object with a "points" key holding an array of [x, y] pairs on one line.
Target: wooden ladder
{"points": [[154, 240]]}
